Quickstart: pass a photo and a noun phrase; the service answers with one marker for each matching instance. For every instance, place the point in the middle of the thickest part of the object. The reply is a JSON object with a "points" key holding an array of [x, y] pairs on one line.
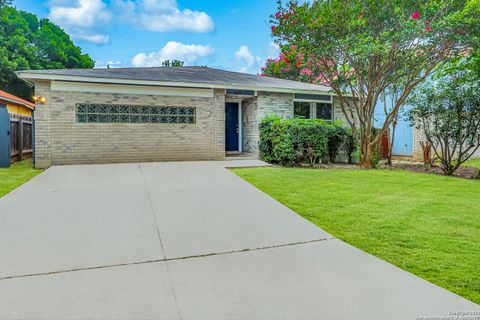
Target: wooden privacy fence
{"points": [[21, 131]]}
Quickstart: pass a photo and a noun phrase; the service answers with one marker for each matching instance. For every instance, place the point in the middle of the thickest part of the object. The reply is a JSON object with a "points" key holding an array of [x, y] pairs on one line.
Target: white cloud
{"points": [[249, 61], [94, 38], [243, 53], [110, 64], [189, 53], [164, 15], [273, 50], [81, 19], [85, 19]]}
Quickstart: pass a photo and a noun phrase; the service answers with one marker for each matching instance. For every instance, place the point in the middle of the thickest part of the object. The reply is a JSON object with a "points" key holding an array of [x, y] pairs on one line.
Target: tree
{"points": [[448, 113], [291, 64], [173, 63], [389, 99], [361, 47], [29, 43], [4, 3]]}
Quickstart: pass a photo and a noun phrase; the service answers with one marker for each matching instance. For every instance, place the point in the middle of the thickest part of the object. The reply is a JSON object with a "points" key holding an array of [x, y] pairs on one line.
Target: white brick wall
{"points": [[256, 108], [268, 103], [418, 136], [60, 140]]}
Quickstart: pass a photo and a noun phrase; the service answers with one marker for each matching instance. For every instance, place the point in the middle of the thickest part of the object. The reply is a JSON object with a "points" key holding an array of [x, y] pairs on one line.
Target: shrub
{"points": [[283, 150], [266, 137], [302, 140], [350, 145], [336, 138], [310, 139], [448, 114]]}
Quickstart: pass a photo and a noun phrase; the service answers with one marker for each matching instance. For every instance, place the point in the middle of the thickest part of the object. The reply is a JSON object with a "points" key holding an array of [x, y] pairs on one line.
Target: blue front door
{"points": [[231, 126]]}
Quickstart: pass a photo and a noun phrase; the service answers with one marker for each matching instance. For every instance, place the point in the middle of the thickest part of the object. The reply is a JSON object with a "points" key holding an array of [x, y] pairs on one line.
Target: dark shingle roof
{"points": [[202, 75]]}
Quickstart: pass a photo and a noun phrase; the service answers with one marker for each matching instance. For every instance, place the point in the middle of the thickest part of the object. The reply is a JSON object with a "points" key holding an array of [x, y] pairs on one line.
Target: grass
{"points": [[19, 173], [426, 224], [475, 163]]}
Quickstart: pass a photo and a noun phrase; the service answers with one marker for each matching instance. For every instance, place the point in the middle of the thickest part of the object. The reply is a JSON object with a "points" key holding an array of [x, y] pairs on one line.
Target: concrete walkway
{"points": [[186, 241]]}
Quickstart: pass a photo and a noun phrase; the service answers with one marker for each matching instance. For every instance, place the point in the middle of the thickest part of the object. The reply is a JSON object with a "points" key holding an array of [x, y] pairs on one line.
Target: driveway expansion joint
{"points": [[165, 259], [177, 307], [249, 249]]}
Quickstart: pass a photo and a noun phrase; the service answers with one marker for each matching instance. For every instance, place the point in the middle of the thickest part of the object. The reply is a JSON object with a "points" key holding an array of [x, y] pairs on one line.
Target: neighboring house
{"points": [[417, 149], [404, 141], [16, 105], [15, 128], [161, 114]]}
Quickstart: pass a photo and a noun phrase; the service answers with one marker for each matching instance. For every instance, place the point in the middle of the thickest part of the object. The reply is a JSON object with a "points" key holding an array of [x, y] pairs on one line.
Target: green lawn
{"points": [[423, 223], [17, 174]]}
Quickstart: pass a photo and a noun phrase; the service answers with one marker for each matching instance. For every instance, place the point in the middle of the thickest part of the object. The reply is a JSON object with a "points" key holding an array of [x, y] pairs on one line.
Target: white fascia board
{"points": [[17, 102], [52, 77], [131, 89]]}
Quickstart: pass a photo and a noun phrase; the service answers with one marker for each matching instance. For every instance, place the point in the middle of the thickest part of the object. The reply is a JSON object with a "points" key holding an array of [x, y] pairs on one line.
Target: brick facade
{"points": [[419, 136], [250, 122], [256, 108], [59, 139]]}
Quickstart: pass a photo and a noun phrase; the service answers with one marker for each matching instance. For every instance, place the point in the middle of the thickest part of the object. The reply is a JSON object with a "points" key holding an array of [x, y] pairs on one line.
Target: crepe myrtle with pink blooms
{"points": [[361, 48]]}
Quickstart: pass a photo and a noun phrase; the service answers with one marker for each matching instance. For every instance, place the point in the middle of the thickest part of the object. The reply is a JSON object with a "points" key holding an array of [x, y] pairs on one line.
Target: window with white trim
{"points": [[313, 109], [301, 109]]}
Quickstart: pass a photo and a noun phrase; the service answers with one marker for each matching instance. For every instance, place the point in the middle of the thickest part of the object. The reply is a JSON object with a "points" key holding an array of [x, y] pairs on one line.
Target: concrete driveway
{"points": [[186, 241]]}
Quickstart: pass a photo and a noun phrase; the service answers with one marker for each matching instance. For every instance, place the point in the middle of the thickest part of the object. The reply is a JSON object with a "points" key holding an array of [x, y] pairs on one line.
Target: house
{"points": [[15, 128], [408, 138], [16, 105], [161, 114], [405, 143]]}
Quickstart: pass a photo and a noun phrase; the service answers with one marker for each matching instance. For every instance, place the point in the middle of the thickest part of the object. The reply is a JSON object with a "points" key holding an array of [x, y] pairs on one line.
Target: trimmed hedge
{"points": [[304, 141]]}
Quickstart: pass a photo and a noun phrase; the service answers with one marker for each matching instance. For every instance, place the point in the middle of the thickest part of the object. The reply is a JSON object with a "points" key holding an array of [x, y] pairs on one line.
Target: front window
{"points": [[324, 111], [301, 109]]}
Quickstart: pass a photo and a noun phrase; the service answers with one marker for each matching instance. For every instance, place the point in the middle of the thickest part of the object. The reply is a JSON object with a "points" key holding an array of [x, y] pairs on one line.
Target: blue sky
{"points": [[225, 34]]}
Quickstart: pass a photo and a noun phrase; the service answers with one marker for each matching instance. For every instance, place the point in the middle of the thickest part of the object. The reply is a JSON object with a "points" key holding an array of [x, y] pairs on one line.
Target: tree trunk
{"points": [[390, 147], [366, 158], [448, 169]]}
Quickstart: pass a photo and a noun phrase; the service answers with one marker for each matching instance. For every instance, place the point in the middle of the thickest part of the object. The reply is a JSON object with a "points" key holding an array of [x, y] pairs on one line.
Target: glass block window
{"points": [[119, 113], [301, 109]]}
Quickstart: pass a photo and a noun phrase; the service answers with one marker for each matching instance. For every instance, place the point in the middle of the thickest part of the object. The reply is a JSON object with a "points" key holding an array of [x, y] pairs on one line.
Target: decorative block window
{"points": [[121, 113]]}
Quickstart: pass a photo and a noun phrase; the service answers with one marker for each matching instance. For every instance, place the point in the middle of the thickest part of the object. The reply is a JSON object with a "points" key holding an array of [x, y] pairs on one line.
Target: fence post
{"points": [[4, 137], [20, 139]]}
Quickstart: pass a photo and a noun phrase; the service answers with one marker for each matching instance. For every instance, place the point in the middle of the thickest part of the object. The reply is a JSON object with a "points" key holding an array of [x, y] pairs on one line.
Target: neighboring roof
{"points": [[175, 76], [7, 97]]}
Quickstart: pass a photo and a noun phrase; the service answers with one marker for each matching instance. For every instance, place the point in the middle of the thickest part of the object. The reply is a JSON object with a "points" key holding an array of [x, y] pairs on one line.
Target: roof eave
{"points": [[20, 103], [30, 76]]}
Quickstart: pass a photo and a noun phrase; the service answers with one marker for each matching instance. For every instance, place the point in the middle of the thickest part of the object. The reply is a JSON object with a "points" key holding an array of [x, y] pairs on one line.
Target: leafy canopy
{"points": [[29, 43], [363, 47], [448, 113]]}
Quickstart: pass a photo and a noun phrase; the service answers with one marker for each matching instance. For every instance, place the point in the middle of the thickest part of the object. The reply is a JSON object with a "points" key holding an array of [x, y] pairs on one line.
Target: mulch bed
{"points": [[462, 172]]}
